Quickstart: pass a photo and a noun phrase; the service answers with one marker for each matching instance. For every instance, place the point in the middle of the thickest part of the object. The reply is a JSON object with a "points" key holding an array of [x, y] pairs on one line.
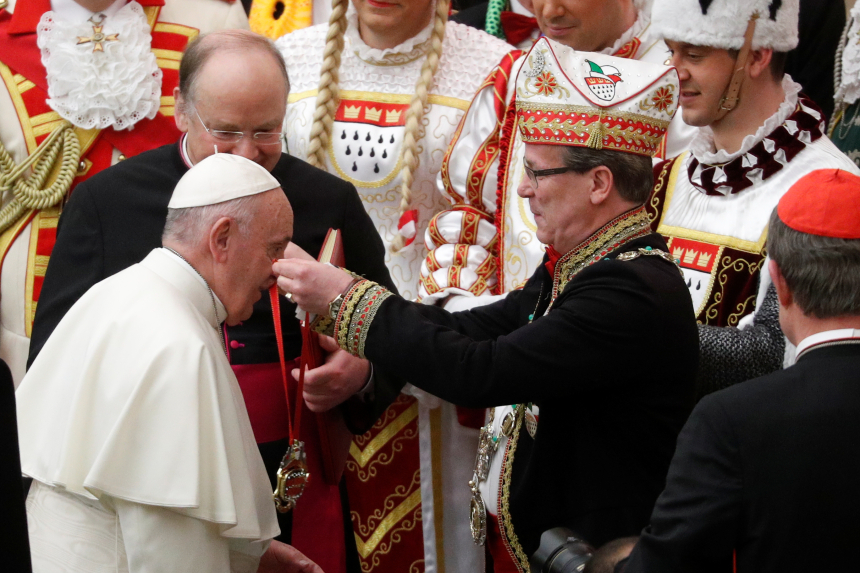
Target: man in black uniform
{"points": [[231, 98], [598, 351], [767, 470]]}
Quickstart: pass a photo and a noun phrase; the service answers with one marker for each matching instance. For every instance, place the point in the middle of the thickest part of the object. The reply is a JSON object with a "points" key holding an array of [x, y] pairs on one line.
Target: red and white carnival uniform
{"points": [[390, 493], [105, 136]]}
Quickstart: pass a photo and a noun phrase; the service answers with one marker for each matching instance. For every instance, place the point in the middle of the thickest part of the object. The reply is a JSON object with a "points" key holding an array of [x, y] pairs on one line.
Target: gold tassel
{"points": [[595, 139]]}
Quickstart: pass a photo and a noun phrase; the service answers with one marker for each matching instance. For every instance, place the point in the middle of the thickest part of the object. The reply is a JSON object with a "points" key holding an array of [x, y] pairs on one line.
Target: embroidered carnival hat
{"points": [[825, 202], [584, 99], [723, 23], [218, 178]]}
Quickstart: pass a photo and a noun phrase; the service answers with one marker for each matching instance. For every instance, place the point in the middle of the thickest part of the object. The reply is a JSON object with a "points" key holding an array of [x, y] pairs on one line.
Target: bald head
{"points": [[232, 81], [242, 44]]}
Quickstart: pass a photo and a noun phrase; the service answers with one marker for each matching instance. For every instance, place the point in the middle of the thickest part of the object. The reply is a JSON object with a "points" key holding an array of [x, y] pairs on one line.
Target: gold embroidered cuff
{"points": [[369, 305], [347, 308]]}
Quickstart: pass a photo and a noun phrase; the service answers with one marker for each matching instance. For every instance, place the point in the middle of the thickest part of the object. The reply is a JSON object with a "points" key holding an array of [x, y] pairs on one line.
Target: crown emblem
{"points": [[704, 260], [678, 252], [392, 116], [602, 79], [351, 111], [690, 256], [372, 114]]}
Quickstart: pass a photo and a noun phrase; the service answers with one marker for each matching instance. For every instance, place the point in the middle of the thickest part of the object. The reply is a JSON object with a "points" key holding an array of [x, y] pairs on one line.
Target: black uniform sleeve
{"points": [[732, 355], [696, 518], [579, 336], [77, 263]]}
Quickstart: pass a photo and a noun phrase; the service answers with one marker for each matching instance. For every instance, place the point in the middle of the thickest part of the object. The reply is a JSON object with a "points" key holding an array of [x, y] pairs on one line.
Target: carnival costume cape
{"points": [[407, 473], [26, 244], [133, 399], [713, 209]]}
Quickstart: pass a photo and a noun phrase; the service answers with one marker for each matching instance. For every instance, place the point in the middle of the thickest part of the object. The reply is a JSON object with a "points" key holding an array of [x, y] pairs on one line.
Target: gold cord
{"points": [[27, 190]]}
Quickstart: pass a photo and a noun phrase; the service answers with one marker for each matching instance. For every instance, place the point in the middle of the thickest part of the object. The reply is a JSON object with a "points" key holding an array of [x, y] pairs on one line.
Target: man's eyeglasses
{"points": [[259, 137], [533, 174]]}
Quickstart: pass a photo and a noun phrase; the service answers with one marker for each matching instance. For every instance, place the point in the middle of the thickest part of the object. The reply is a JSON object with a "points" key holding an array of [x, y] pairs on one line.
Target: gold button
{"points": [[120, 158], [3, 4], [82, 166], [668, 62]]}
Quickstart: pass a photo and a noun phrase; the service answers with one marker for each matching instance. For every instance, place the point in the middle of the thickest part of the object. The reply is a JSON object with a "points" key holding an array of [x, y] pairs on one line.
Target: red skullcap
{"points": [[825, 202]]}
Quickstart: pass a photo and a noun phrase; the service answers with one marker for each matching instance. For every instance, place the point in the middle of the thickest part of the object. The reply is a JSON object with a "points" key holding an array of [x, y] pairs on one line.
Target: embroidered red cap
{"points": [[825, 202]]}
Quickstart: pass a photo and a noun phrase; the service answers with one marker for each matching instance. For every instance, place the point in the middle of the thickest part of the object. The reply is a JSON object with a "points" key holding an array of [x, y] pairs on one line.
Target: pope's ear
{"points": [[220, 235]]}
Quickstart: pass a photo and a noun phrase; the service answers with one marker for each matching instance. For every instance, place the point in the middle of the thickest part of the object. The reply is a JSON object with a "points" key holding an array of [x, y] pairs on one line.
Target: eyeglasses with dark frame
{"points": [[259, 137], [533, 174]]}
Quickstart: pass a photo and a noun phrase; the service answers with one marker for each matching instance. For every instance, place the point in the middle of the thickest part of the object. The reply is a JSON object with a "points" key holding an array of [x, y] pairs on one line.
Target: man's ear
{"points": [[220, 236], [758, 62], [782, 291], [602, 182], [179, 116]]}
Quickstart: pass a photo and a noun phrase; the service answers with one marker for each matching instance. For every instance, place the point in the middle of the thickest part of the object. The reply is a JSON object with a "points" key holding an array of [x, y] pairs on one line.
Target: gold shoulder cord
{"points": [[27, 190]]}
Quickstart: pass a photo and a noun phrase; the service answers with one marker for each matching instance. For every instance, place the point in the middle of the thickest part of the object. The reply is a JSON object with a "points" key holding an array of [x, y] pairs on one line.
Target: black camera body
{"points": [[560, 551]]}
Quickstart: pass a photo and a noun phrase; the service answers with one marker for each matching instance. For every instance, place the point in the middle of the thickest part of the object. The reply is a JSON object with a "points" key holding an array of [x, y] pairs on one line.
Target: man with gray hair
{"points": [[767, 470], [231, 98], [132, 423]]}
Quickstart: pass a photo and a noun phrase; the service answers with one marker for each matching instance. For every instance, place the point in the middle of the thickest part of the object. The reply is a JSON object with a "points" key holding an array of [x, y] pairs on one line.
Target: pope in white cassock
{"points": [[132, 423]]}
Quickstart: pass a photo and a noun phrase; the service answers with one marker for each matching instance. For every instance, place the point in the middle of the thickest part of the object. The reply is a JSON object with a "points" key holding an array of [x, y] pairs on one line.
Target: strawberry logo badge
{"points": [[601, 80]]}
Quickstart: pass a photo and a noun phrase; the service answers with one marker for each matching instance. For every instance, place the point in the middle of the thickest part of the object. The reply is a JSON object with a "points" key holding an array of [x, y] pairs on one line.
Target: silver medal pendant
{"points": [[293, 476], [477, 516]]}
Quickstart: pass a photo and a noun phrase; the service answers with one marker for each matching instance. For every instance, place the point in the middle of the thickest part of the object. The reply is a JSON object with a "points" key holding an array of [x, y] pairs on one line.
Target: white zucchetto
{"points": [[218, 178]]}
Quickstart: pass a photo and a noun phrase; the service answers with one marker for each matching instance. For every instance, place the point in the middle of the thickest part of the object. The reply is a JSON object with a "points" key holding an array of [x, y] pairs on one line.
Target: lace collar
{"points": [[778, 141], [412, 49], [614, 234], [110, 80], [628, 43], [848, 57]]}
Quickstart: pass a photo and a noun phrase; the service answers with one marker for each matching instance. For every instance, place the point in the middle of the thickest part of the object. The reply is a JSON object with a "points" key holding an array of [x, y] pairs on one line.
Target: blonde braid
{"points": [[328, 93], [416, 112]]}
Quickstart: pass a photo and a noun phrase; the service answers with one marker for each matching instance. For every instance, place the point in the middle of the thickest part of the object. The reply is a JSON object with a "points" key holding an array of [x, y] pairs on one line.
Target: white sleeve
{"points": [[158, 539], [460, 240]]}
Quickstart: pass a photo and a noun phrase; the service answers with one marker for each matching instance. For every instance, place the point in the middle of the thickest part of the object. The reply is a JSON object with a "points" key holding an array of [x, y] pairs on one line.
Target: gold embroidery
{"points": [[432, 99], [589, 112], [611, 236], [738, 265], [401, 59], [363, 456], [412, 502], [401, 492], [506, 524]]}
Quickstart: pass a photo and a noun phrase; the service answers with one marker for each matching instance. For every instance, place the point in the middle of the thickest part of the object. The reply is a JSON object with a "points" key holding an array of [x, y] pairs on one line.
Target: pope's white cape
{"points": [[133, 397]]}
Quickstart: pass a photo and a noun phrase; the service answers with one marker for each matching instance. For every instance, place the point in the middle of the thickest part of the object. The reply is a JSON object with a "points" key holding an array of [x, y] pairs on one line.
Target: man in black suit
{"points": [[766, 472], [232, 98], [597, 352]]}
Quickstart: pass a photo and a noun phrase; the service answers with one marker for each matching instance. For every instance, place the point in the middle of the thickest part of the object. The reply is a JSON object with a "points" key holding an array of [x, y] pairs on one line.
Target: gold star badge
{"points": [[98, 37]]}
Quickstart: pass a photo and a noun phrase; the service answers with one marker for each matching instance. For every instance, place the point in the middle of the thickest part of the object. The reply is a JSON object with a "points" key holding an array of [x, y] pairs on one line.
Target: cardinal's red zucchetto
{"points": [[825, 202]]}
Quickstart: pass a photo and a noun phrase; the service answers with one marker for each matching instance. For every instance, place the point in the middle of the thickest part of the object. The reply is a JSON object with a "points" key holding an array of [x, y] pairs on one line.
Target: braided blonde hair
{"points": [[328, 99], [328, 93]]}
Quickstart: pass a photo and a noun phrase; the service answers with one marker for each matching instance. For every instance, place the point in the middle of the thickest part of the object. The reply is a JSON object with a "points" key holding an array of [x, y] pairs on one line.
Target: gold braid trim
{"points": [[623, 229], [356, 313], [506, 524], [27, 191], [374, 298]]}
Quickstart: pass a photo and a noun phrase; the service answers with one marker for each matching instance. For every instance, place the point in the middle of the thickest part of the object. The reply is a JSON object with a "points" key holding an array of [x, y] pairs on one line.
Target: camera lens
{"points": [[560, 551]]}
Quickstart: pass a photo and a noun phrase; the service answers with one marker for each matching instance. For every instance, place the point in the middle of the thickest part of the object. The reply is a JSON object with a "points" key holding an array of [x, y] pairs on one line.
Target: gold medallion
{"points": [[293, 476]]}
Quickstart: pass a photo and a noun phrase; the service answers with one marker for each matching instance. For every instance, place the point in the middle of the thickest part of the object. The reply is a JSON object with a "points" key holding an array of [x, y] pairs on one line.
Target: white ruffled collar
{"points": [[638, 27], [849, 85], [117, 86], [411, 49], [702, 146], [74, 12]]}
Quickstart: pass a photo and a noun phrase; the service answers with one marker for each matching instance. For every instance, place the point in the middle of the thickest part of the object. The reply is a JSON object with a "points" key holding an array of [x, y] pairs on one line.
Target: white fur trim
{"points": [[725, 23]]}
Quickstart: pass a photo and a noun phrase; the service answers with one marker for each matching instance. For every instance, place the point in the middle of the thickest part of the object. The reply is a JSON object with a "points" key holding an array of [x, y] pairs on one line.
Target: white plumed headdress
{"points": [[722, 23]]}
